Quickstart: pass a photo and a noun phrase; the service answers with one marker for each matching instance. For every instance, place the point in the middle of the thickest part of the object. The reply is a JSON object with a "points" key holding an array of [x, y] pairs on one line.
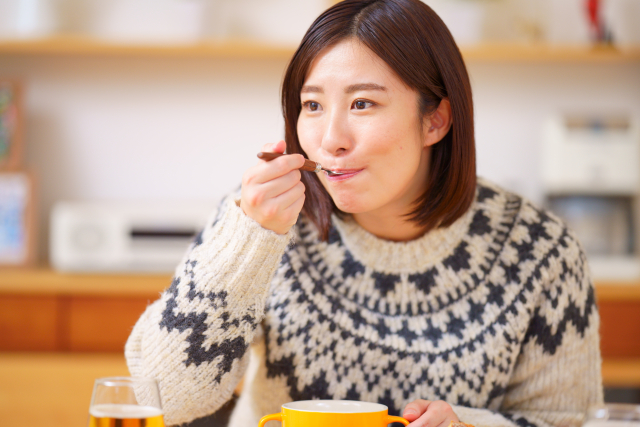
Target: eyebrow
{"points": [[364, 86], [311, 89], [349, 89]]}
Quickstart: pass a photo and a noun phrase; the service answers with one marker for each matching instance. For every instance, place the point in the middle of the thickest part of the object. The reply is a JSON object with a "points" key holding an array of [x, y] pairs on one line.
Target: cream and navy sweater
{"points": [[495, 315]]}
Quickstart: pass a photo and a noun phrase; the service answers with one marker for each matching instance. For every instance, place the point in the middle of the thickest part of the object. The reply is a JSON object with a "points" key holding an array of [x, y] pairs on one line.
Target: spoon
{"points": [[309, 165]]}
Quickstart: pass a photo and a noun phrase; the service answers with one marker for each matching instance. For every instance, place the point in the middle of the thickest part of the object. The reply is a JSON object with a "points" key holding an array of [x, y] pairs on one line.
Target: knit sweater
{"points": [[494, 314]]}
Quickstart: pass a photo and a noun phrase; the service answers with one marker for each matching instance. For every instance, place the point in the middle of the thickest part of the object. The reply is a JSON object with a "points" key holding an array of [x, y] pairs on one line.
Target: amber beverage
{"points": [[125, 402]]}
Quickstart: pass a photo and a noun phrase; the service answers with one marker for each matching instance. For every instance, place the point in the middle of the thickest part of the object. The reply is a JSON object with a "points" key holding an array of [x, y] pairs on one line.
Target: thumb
{"points": [[415, 409], [410, 414]]}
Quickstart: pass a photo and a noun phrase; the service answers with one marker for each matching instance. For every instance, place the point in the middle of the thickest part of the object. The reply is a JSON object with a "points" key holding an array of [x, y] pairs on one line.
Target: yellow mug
{"points": [[333, 413]]}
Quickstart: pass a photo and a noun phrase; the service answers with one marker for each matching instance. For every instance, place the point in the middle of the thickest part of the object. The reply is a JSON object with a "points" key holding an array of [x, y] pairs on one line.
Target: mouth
{"points": [[342, 174]]}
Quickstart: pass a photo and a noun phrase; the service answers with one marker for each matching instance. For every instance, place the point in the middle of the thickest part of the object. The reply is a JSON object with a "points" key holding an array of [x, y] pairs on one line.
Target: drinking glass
{"points": [[613, 415], [125, 402]]}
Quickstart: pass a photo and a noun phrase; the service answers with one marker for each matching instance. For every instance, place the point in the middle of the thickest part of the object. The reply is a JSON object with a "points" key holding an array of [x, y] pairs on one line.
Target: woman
{"points": [[402, 281]]}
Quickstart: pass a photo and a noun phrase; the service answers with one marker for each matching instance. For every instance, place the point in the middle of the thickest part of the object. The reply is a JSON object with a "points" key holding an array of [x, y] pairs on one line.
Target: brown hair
{"points": [[416, 44]]}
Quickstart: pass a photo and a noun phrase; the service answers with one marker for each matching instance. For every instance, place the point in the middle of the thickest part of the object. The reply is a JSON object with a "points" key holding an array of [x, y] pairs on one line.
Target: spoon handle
{"points": [[309, 165]]}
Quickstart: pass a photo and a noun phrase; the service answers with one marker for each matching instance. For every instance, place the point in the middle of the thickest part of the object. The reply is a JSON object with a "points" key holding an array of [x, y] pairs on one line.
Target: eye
{"points": [[361, 104], [311, 105]]}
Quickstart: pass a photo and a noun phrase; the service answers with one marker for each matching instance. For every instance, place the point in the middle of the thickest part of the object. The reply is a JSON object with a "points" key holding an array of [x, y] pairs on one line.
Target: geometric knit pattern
{"points": [[495, 314]]}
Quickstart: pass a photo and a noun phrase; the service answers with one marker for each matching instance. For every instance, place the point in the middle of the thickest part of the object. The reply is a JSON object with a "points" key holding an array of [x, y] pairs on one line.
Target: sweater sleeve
{"points": [[557, 376], [194, 339]]}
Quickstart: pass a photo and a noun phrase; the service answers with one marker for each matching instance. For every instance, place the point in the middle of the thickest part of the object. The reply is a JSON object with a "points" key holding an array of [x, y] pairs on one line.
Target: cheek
{"points": [[391, 133], [308, 134]]}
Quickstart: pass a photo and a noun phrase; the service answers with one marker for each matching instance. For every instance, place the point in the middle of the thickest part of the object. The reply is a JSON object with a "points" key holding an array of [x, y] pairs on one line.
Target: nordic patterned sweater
{"points": [[495, 315]]}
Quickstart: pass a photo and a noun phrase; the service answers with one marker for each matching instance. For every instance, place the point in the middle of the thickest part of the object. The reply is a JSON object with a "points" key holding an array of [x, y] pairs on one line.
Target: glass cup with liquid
{"points": [[125, 402], [613, 415]]}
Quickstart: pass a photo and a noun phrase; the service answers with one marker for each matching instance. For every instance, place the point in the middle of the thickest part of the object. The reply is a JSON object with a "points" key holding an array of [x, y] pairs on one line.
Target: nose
{"points": [[336, 140]]}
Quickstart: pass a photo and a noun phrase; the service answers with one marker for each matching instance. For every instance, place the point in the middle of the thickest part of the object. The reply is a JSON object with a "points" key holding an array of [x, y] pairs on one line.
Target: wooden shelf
{"points": [[621, 372], [542, 53], [618, 291], [84, 46], [44, 281]]}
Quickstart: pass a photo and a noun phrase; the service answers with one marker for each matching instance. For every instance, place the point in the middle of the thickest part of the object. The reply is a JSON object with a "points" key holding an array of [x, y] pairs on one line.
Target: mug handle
{"points": [[272, 417], [392, 419]]}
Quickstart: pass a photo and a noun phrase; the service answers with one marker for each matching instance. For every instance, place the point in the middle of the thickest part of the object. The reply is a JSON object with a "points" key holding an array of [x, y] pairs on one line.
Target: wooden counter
{"points": [[46, 311], [52, 389], [43, 310]]}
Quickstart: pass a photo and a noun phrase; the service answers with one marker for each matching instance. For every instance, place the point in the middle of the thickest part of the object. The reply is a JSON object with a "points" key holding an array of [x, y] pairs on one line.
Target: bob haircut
{"points": [[418, 47]]}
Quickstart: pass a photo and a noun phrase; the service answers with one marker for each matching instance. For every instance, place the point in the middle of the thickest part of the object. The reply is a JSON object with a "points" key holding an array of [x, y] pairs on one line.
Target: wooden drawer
{"points": [[68, 323], [29, 323], [620, 329], [99, 323]]}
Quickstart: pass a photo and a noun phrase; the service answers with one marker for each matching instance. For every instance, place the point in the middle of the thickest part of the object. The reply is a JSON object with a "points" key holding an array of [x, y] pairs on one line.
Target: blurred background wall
{"points": [[186, 129], [177, 128]]}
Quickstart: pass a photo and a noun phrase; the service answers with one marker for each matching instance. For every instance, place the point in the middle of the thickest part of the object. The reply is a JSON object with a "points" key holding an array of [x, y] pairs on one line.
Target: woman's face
{"points": [[358, 117]]}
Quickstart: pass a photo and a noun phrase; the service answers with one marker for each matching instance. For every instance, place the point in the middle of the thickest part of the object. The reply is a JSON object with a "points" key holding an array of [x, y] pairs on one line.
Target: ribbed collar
{"points": [[402, 257]]}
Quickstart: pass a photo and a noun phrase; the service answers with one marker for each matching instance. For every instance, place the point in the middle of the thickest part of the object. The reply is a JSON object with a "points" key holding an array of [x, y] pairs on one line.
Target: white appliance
{"points": [[591, 153], [112, 237], [591, 177]]}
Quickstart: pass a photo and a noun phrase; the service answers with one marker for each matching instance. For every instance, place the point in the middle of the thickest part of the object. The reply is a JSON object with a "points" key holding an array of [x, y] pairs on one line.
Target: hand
{"points": [[427, 413], [272, 193]]}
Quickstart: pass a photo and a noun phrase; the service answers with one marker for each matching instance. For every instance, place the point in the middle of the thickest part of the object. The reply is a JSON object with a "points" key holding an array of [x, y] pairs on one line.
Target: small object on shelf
{"points": [[16, 219], [147, 21], [597, 25], [464, 19], [22, 19], [10, 125]]}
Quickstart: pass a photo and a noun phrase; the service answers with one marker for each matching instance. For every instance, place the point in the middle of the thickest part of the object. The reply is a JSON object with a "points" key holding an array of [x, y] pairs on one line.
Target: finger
{"points": [[269, 170], [284, 209], [438, 414], [278, 147], [290, 215], [275, 187], [290, 197], [259, 193], [265, 171], [416, 408], [298, 204], [295, 209]]}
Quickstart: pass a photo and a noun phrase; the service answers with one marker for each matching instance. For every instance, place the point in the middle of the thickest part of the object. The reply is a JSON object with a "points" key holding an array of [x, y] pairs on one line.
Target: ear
{"points": [[437, 124]]}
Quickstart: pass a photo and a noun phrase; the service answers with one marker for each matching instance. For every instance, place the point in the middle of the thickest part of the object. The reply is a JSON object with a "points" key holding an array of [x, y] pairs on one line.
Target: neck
{"points": [[390, 227], [391, 221]]}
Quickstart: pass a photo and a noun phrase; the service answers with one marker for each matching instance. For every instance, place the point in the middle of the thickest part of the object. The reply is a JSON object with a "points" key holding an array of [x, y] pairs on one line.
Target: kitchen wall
{"points": [[180, 130], [153, 128]]}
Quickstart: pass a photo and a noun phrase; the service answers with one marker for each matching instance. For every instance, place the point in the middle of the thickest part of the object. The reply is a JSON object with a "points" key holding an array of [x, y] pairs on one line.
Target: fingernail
{"points": [[410, 412]]}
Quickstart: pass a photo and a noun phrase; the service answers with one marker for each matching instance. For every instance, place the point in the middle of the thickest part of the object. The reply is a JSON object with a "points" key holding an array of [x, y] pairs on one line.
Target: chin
{"points": [[350, 205]]}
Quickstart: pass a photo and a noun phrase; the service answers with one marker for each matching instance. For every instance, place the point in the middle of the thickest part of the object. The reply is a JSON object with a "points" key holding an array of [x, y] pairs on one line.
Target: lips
{"points": [[345, 174]]}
